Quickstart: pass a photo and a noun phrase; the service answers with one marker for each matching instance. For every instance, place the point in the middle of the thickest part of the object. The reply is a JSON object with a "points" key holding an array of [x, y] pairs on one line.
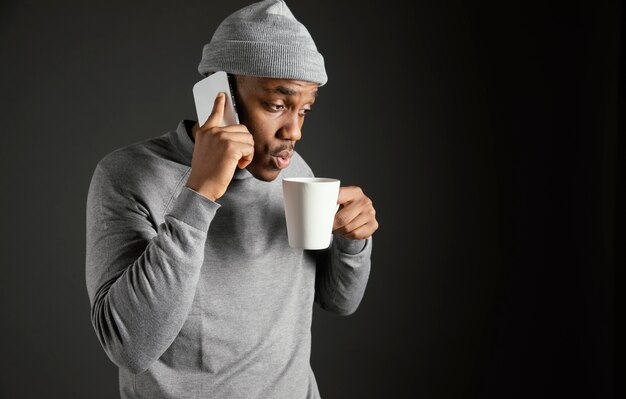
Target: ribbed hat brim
{"points": [[263, 59]]}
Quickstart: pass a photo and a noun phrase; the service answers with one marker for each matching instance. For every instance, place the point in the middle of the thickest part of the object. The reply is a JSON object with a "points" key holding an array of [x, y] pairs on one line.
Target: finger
{"points": [[348, 193], [234, 128], [217, 114], [346, 214], [239, 137], [363, 232], [354, 224], [245, 153]]}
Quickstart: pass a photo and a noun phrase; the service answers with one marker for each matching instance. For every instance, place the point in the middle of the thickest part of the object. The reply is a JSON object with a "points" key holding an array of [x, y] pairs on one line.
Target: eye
{"points": [[275, 107], [280, 107]]}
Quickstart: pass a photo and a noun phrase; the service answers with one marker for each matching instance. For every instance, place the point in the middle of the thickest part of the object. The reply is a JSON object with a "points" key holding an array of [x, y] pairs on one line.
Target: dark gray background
{"points": [[485, 135]]}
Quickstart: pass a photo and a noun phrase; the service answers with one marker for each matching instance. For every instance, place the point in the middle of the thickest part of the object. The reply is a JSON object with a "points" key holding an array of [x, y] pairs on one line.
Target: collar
{"points": [[183, 142]]}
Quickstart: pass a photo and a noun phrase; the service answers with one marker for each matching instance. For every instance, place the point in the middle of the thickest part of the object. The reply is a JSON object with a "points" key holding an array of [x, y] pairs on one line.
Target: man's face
{"points": [[273, 110]]}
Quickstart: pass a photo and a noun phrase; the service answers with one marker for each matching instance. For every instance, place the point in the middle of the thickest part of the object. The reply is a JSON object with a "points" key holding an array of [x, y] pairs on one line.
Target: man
{"points": [[194, 290]]}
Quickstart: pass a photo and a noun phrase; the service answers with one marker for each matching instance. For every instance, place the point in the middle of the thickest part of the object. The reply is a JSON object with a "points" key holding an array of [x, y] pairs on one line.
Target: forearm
{"points": [[138, 312], [342, 274]]}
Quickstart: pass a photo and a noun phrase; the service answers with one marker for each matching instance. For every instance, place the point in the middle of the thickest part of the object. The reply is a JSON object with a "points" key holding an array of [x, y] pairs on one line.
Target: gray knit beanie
{"points": [[264, 39]]}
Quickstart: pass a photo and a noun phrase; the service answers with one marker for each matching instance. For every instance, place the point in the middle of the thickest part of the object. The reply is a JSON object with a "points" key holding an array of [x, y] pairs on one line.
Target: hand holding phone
{"points": [[218, 150]]}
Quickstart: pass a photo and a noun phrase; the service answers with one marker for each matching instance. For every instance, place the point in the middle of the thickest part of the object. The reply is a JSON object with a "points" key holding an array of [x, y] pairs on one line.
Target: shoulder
{"points": [[131, 166], [121, 162]]}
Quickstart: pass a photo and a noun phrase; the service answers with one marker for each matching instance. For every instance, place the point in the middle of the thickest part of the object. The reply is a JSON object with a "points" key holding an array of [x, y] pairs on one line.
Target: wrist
{"points": [[202, 191]]}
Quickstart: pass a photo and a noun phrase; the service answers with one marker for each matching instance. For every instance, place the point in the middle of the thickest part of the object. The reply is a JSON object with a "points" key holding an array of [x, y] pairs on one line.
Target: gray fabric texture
{"points": [[264, 39], [192, 298]]}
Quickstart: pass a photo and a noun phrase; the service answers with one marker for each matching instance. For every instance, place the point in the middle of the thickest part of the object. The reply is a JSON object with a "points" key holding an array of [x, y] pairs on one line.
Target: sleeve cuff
{"points": [[348, 246], [194, 209]]}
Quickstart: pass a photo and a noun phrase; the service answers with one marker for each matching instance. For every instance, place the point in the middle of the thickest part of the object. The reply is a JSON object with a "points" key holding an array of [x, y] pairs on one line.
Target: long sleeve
{"points": [[342, 272], [141, 278]]}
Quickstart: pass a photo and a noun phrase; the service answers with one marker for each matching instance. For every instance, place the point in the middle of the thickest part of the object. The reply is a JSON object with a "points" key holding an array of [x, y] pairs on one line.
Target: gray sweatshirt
{"points": [[192, 298]]}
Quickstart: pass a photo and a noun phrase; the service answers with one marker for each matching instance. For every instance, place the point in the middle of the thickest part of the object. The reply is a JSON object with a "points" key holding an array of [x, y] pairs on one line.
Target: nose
{"points": [[290, 130]]}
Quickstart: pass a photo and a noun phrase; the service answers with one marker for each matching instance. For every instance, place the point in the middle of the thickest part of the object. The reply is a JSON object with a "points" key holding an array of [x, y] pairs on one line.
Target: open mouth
{"points": [[281, 162], [282, 159]]}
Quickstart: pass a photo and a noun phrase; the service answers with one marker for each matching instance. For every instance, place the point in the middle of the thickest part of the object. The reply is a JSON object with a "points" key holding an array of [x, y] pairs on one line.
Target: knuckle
{"points": [[230, 145], [341, 220]]}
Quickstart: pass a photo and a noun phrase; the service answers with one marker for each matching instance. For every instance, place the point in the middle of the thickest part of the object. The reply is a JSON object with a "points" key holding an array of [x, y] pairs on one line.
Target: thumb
{"points": [[217, 114]]}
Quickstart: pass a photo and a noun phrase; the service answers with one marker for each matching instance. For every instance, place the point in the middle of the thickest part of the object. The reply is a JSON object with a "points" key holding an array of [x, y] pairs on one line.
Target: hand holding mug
{"points": [[356, 217]]}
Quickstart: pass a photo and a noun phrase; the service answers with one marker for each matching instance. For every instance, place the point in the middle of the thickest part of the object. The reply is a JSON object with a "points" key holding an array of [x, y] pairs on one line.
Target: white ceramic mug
{"points": [[310, 208]]}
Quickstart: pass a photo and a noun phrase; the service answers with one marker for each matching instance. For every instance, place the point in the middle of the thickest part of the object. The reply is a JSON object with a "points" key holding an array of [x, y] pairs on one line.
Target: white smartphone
{"points": [[205, 92]]}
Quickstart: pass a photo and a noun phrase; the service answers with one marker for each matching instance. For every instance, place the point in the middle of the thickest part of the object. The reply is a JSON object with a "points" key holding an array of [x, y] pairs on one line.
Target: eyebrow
{"points": [[284, 91]]}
